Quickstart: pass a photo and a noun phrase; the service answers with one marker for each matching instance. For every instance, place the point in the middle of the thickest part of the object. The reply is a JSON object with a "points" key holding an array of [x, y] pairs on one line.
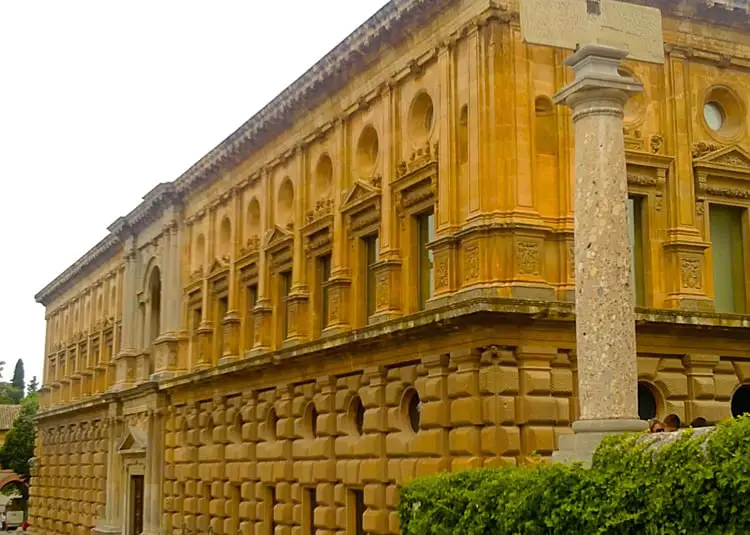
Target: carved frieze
{"points": [[318, 242]]}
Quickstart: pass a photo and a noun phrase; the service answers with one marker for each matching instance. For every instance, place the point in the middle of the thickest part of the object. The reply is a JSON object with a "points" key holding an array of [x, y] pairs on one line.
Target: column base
{"points": [[587, 435]]}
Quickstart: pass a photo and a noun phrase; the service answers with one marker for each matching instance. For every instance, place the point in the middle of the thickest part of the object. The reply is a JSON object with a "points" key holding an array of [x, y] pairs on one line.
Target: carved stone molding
{"points": [[361, 206], [278, 244], [721, 172]]}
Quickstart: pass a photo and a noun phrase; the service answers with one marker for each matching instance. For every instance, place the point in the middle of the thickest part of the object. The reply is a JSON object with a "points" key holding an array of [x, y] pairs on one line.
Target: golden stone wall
{"points": [[219, 357]]}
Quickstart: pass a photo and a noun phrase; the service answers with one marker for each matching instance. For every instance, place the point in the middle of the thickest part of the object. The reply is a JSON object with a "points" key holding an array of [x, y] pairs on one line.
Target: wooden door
{"points": [[136, 505]]}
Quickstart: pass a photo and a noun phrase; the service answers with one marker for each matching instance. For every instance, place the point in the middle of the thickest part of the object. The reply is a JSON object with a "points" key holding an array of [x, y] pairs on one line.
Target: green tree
{"points": [[18, 449], [33, 385], [19, 378]]}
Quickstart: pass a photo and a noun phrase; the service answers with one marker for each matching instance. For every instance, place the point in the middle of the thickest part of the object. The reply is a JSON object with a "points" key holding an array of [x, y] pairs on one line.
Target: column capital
{"points": [[598, 78]]}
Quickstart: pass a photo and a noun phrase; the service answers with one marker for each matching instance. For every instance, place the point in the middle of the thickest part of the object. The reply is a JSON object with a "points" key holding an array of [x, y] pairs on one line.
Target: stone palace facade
{"points": [[371, 280]]}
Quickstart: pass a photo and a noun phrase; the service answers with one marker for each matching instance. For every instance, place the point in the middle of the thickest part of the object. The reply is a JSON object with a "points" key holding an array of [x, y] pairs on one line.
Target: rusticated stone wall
{"points": [[355, 431], [68, 479]]}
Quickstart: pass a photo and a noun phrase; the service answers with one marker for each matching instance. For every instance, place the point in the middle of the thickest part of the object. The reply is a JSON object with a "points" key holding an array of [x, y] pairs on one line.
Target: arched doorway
{"points": [[648, 405]]}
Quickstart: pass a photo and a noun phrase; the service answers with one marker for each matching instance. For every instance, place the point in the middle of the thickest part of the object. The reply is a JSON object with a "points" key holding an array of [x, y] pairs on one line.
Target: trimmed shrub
{"points": [[697, 484]]}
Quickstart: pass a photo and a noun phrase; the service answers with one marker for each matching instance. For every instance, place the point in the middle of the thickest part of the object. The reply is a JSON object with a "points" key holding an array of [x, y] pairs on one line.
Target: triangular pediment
{"points": [[733, 156], [277, 235], [134, 441], [217, 265], [360, 193]]}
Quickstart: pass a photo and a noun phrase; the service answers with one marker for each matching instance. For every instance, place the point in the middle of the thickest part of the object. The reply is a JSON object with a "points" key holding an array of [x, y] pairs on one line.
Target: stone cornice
{"points": [[485, 310], [95, 257]]}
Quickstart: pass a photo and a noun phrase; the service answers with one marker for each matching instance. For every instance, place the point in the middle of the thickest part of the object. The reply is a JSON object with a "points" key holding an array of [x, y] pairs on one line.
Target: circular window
{"points": [[357, 416], [421, 118], [367, 151], [310, 421], [271, 421], [741, 401], [713, 113], [723, 113], [412, 409], [647, 404]]}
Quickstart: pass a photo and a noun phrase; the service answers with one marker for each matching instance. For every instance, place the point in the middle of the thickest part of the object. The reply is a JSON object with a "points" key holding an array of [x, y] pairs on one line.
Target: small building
{"points": [[8, 414]]}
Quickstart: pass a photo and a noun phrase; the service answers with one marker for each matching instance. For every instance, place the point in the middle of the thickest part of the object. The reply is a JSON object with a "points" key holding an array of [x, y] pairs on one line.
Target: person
{"points": [[655, 426], [2, 520], [671, 423], [700, 421]]}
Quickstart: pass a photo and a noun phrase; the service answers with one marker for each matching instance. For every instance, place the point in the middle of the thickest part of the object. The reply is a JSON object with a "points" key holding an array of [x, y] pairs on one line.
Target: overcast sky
{"points": [[102, 100]]}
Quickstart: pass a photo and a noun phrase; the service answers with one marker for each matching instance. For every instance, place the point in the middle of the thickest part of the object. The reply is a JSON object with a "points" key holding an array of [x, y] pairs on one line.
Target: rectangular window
{"points": [[309, 501], [371, 250], [269, 502], [324, 274], [355, 512], [635, 224], [285, 287], [425, 234], [251, 299], [728, 259], [196, 319], [221, 311]]}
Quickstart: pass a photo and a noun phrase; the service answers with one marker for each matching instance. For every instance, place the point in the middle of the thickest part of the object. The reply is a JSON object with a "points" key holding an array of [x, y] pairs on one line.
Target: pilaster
{"points": [[125, 359], [684, 247]]}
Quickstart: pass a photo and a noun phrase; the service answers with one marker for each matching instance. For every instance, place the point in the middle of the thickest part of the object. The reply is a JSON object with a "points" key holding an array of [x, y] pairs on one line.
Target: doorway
{"points": [[136, 505]]}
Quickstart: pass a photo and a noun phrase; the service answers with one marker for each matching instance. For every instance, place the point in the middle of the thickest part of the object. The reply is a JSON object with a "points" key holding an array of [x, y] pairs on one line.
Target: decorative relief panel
{"points": [[471, 262], [692, 277], [442, 273], [529, 256]]}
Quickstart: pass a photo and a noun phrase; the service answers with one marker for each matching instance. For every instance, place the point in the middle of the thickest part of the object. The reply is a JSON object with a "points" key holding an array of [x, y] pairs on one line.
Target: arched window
{"points": [[741, 401], [154, 291], [647, 403]]}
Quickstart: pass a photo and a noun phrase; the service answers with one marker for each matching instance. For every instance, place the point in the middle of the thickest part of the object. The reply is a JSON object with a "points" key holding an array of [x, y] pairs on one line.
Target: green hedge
{"points": [[698, 484]]}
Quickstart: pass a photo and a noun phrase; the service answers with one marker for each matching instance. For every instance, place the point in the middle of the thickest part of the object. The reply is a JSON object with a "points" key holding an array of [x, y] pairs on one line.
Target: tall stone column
{"points": [[605, 322]]}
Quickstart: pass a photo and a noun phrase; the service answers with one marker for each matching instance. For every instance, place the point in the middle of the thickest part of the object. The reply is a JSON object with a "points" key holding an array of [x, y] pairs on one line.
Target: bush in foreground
{"points": [[699, 484]]}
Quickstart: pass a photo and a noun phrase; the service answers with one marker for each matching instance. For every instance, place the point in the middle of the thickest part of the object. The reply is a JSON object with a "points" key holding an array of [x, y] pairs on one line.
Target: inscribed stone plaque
{"points": [[573, 23]]}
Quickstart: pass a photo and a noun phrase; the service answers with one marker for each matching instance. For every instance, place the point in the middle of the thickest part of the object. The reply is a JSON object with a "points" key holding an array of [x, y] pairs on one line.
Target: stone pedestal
{"points": [[605, 323]]}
